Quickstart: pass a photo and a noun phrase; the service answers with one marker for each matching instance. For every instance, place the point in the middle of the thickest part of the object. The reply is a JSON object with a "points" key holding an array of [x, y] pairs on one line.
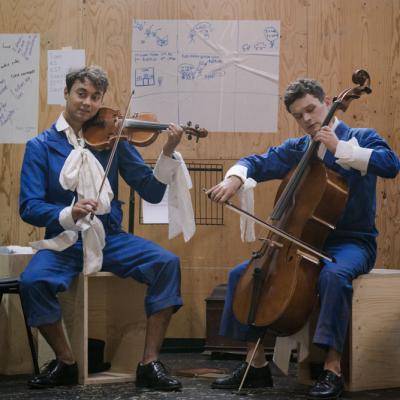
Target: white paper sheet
{"points": [[19, 87], [224, 75], [59, 63], [156, 213]]}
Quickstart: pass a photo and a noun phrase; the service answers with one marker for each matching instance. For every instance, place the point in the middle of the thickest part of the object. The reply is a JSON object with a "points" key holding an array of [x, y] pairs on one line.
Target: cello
{"points": [[278, 289]]}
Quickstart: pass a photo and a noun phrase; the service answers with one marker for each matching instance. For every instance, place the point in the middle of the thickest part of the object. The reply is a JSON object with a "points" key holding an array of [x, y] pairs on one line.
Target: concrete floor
{"points": [[285, 388]]}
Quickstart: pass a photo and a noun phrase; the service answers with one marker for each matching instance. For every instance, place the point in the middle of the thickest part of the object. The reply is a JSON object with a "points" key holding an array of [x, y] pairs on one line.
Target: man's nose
{"points": [[306, 117], [87, 101]]}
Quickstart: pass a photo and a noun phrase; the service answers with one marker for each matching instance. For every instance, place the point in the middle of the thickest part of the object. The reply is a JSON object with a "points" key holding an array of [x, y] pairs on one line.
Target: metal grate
{"points": [[205, 211]]}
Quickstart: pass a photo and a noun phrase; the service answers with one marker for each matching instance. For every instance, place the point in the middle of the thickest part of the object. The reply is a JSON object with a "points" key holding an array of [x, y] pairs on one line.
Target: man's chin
{"points": [[83, 117], [312, 131]]}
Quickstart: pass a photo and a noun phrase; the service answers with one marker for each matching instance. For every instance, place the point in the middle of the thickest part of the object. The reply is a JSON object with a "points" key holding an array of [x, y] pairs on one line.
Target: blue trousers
{"points": [[125, 255], [335, 295]]}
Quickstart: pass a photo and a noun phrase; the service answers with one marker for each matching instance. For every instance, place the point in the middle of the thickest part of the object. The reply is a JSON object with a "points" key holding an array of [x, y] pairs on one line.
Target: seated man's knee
{"points": [[171, 262], [236, 273], [330, 277], [27, 282]]}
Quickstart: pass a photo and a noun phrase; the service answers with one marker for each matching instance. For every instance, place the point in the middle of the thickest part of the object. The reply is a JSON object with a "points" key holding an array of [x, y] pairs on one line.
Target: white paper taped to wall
{"points": [[19, 86], [223, 75]]}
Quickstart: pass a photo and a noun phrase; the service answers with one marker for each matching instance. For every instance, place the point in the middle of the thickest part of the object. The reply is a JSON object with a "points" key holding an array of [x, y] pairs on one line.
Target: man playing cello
{"points": [[359, 156]]}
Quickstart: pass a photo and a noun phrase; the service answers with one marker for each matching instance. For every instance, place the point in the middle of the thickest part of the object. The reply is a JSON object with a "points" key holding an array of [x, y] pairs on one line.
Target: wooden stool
{"points": [[372, 360], [103, 306]]}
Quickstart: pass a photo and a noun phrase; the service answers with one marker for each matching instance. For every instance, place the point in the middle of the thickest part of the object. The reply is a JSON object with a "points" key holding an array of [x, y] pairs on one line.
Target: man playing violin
{"points": [[59, 180], [358, 155]]}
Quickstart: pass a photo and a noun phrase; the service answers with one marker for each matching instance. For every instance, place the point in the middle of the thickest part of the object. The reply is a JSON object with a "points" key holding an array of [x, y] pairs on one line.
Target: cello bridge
{"points": [[271, 243], [308, 257]]}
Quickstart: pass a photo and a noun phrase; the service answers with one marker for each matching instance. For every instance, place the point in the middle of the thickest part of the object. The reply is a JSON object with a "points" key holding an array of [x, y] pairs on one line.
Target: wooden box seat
{"points": [[103, 306], [372, 357]]}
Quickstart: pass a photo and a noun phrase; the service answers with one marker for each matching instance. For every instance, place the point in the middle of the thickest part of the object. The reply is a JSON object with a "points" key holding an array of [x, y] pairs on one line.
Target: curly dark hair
{"points": [[93, 73], [300, 88]]}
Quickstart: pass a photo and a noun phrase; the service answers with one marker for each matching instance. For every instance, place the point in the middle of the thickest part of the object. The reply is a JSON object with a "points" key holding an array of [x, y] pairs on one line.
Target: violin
{"points": [[142, 129]]}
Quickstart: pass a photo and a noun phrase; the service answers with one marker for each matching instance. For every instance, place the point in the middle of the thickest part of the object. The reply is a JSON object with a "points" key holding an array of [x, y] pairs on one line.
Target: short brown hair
{"points": [[300, 88], [93, 73]]}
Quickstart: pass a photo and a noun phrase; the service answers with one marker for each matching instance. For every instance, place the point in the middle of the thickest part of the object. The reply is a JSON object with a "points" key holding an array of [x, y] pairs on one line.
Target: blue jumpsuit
{"points": [[41, 200], [352, 244]]}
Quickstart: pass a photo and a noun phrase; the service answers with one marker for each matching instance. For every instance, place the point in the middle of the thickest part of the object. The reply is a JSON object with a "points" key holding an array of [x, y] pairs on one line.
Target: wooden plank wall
{"points": [[324, 39]]}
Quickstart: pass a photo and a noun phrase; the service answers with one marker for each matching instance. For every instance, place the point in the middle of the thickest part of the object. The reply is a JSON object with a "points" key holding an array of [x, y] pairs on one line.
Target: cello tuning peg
{"points": [[189, 123], [196, 126]]}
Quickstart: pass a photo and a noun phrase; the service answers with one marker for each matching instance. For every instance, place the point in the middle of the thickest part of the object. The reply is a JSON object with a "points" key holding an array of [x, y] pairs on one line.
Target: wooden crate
{"points": [[372, 357], [103, 306], [15, 355]]}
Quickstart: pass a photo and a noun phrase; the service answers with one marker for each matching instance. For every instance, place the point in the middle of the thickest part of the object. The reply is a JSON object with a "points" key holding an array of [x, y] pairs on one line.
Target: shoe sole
{"points": [[325, 398]]}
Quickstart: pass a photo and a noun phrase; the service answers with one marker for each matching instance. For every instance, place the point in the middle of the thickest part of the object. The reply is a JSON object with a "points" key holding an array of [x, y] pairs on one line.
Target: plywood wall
{"points": [[324, 39]]}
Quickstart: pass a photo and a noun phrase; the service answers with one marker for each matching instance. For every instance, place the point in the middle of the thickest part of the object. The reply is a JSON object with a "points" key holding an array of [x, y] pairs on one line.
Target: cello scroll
{"points": [[361, 78]]}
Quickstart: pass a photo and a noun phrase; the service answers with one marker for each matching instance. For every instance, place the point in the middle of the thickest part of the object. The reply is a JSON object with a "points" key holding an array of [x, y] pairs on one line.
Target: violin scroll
{"points": [[194, 131]]}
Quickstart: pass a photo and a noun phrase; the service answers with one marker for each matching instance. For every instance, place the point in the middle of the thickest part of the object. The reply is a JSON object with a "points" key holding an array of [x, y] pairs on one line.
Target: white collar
{"points": [[335, 123], [62, 125]]}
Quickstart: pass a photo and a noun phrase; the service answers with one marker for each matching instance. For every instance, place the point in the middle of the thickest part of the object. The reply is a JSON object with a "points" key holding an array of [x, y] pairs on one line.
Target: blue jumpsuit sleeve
{"points": [[33, 207], [277, 161], [139, 175], [383, 161]]}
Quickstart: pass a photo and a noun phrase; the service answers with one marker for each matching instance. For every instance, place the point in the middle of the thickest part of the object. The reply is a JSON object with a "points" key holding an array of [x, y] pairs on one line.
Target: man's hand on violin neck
{"points": [[82, 208], [327, 136], [224, 190], [174, 133]]}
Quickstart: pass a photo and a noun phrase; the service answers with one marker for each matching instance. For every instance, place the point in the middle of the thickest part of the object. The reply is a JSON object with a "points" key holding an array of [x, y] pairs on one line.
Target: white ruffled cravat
{"points": [[82, 173]]}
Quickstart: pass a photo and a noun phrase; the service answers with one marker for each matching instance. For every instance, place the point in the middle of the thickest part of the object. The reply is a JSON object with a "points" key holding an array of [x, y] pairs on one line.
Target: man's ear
{"points": [[328, 101], [65, 93]]}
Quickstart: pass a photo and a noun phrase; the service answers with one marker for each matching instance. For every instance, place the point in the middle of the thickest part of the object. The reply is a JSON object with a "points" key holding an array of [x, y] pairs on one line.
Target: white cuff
{"points": [[351, 155], [165, 168], [237, 170], [66, 220]]}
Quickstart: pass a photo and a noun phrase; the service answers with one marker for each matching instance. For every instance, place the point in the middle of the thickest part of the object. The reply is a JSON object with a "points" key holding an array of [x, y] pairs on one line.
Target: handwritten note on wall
{"points": [[223, 75], [60, 62], [19, 87]]}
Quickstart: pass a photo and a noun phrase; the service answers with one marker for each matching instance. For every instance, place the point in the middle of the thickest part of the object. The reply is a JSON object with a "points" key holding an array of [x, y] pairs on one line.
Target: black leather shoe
{"points": [[256, 378], [55, 373], [328, 386], [154, 376]]}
